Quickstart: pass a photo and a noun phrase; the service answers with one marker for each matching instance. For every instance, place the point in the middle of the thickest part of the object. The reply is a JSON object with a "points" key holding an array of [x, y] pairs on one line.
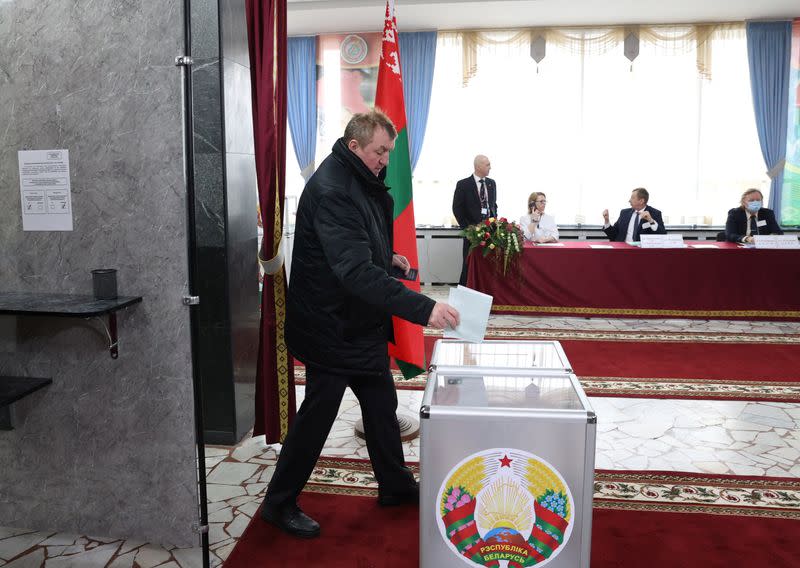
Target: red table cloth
{"points": [[726, 282]]}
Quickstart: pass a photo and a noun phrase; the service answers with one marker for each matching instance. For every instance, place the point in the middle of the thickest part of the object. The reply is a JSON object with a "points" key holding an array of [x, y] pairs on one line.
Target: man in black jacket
{"points": [[339, 318], [474, 200], [751, 219], [638, 219]]}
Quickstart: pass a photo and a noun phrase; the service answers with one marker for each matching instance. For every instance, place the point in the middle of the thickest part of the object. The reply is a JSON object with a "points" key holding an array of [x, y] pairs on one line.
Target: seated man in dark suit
{"points": [[474, 200], [638, 219], [750, 219]]}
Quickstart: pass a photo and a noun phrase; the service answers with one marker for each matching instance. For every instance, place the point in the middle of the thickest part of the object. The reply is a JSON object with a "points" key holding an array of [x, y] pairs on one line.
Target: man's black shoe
{"points": [[291, 519], [410, 495]]}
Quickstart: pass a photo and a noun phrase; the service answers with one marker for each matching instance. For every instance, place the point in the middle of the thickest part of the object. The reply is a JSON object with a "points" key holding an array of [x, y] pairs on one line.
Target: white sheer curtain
{"points": [[586, 126]]}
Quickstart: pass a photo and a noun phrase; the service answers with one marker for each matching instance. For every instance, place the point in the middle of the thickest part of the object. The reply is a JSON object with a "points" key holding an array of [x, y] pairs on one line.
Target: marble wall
{"points": [[225, 219], [241, 193], [214, 354], [108, 448]]}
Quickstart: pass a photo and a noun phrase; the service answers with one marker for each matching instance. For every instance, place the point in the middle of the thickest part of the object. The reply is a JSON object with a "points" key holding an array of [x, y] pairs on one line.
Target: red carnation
{"points": [[487, 222], [483, 243]]}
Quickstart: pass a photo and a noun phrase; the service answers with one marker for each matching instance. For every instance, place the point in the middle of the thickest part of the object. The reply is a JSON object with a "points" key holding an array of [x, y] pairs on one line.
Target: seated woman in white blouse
{"points": [[538, 226]]}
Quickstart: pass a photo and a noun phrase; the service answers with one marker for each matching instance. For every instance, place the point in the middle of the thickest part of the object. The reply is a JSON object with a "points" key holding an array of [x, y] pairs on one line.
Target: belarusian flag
{"points": [[408, 349]]}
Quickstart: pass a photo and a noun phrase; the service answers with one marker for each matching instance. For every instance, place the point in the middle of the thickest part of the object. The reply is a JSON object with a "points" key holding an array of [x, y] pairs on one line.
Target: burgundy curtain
{"points": [[266, 31]]}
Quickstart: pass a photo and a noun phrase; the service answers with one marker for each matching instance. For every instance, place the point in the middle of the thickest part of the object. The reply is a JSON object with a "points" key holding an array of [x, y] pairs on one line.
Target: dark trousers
{"points": [[463, 279], [313, 422]]}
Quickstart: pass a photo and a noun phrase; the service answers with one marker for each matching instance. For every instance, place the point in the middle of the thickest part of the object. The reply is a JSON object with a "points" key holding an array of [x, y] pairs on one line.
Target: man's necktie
{"points": [[483, 196], [753, 225], [636, 224]]}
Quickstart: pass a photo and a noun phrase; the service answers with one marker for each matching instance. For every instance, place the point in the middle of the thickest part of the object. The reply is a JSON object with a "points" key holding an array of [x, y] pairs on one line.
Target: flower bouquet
{"points": [[498, 236]]}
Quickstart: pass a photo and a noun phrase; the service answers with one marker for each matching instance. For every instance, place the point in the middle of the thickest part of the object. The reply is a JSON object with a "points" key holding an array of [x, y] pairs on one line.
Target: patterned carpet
{"points": [[672, 519], [722, 358], [625, 490]]}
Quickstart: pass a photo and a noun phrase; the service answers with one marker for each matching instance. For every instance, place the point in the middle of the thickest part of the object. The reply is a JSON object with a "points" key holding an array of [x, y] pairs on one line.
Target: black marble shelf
{"points": [[60, 305], [13, 389], [68, 305]]}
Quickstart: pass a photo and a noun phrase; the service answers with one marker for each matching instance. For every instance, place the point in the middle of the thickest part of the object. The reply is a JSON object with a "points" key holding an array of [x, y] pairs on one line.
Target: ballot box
{"points": [[507, 441], [523, 355]]}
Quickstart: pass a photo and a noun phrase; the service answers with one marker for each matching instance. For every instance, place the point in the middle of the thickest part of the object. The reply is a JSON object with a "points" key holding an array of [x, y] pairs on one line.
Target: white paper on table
{"points": [[601, 246], [473, 309], [765, 241], [670, 240], [549, 244], [787, 241], [775, 241], [704, 246]]}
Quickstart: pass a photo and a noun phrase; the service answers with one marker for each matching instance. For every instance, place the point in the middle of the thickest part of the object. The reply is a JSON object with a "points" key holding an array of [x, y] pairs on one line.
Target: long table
{"points": [[724, 282]]}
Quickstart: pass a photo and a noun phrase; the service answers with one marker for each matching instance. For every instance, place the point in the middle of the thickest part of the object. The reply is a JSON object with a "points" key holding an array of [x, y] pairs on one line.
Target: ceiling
{"points": [[306, 17]]}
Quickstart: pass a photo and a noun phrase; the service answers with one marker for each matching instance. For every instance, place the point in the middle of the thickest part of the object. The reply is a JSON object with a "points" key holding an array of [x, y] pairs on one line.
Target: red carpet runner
{"points": [[658, 520], [709, 367], [743, 371]]}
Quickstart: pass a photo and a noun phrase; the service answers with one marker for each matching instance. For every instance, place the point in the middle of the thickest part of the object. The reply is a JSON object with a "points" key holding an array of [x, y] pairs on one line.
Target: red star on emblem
{"points": [[505, 461]]}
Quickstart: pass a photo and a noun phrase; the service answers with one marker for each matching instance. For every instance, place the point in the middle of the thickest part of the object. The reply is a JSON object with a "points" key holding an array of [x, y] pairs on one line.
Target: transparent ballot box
{"points": [[506, 464], [525, 355]]}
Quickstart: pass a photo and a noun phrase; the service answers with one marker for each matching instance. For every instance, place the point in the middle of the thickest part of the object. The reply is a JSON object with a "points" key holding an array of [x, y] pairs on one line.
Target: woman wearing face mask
{"points": [[750, 219], [537, 225]]}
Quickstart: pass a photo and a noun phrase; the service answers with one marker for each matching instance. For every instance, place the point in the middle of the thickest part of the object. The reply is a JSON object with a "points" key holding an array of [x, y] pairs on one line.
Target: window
{"points": [[589, 126]]}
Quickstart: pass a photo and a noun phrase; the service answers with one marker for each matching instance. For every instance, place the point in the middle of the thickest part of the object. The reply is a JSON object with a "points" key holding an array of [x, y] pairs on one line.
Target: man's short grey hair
{"points": [[361, 127], [478, 159], [642, 193]]}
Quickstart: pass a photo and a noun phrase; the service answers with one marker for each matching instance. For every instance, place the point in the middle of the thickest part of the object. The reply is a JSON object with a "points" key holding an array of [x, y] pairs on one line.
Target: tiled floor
{"points": [[20, 548], [721, 437]]}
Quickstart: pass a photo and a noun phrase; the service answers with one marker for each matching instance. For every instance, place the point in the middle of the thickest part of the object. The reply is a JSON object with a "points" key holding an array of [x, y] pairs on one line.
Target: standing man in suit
{"points": [[750, 219], [474, 200], [638, 219]]}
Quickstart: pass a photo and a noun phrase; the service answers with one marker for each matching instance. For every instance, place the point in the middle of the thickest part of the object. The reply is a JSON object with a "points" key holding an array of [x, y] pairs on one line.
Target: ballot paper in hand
{"points": [[473, 309]]}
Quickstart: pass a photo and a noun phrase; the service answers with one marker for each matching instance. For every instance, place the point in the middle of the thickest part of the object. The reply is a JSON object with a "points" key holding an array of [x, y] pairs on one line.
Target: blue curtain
{"points": [[418, 56], [302, 104], [768, 52]]}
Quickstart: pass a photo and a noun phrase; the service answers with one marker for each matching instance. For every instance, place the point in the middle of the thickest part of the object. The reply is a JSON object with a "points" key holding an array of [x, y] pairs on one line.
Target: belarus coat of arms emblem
{"points": [[505, 507]]}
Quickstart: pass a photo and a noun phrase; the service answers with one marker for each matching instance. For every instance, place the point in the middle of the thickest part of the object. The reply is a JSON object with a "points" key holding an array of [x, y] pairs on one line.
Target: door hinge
{"points": [[191, 300], [199, 529], [183, 61]]}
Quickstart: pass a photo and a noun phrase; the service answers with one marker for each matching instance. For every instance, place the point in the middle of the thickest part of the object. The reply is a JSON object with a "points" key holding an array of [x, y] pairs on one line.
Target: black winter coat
{"points": [[341, 297]]}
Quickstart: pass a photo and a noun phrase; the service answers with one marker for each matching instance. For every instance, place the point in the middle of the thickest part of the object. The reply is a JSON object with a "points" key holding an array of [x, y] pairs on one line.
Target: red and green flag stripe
{"points": [[408, 348]]}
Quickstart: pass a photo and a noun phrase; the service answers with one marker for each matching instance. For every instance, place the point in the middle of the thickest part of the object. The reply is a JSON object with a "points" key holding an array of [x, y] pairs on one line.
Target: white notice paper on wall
{"points": [[670, 240], [473, 311], [45, 190], [776, 241]]}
